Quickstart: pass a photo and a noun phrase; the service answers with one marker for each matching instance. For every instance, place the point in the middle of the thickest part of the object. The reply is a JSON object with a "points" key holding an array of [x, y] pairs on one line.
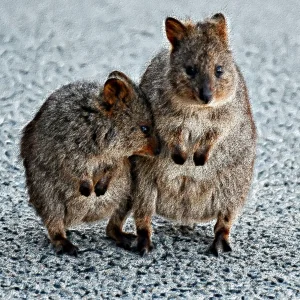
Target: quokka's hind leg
{"points": [[144, 231], [57, 234], [222, 231], [114, 227]]}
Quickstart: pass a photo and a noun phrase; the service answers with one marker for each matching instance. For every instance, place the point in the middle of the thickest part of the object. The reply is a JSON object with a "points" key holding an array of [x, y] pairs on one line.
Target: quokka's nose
{"points": [[157, 150], [205, 94]]}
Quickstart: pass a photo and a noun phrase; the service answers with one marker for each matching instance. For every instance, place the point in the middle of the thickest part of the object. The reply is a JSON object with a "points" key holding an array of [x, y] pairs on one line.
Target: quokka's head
{"points": [[202, 70], [131, 117]]}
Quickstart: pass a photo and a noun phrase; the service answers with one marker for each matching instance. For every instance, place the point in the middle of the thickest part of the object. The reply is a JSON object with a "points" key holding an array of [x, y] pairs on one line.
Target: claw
{"points": [[66, 247], [226, 246], [213, 250], [214, 247], [126, 240], [143, 252], [144, 247]]}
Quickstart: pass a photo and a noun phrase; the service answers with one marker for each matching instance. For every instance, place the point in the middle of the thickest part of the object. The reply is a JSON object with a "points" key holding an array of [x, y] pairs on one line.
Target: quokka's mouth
{"points": [[147, 151], [203, 103], [192, 102]]}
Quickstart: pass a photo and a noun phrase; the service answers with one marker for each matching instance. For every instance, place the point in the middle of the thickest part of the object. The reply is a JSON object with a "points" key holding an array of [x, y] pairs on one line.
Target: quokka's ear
{"points": [[220, 21], [119, 75], [115, 92], [175, 31]]}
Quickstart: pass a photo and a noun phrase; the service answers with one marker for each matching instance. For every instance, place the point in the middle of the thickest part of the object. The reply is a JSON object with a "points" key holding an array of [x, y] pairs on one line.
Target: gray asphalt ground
{"points": [[44, 44]]}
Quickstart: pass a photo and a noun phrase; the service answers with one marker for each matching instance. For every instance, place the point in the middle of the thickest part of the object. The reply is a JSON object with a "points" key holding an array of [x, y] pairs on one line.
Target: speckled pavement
{"points": [[44, 44]]}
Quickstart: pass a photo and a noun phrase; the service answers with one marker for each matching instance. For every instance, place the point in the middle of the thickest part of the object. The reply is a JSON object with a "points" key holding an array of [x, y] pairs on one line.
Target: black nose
{"points": [[157, 150], [205, 95]]}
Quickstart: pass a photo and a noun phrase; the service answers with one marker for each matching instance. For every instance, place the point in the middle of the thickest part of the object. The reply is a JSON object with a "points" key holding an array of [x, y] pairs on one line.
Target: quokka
{"points": [[75, 153], [203, 117]]}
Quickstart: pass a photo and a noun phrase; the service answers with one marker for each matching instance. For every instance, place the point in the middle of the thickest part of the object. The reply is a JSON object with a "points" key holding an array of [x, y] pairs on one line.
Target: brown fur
{"points": [[75, 153], [203, 112]]}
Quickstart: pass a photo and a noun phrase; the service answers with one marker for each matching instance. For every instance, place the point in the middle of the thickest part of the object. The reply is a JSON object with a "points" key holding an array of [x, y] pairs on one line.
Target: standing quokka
{"points": [[75, 153], [203, 117]]}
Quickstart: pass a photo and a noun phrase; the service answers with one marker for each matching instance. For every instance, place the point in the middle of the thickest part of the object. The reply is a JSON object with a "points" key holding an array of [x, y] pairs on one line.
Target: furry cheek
{"points": [[152, 148], [223, 91], [187, 93]]}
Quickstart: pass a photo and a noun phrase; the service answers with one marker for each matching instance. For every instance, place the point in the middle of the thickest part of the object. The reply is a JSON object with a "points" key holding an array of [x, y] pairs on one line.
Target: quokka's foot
{"points": [[219, 244], [213, 250], [66, 247], [126, 240], [144, 249], [123, 239], [144, 245], [226, 246]]}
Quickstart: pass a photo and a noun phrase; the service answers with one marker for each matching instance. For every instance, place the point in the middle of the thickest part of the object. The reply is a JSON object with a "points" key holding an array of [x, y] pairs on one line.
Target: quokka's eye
{"points": [[191, 71], [145, 129], [219, 71]]}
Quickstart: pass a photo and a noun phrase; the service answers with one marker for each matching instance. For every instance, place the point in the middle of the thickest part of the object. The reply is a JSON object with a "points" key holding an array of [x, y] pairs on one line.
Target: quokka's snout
{"points": [[205, 92], [151, 148]]}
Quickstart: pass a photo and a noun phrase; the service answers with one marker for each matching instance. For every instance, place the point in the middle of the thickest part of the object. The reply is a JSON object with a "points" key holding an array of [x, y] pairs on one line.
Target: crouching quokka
{"points": [[203, 117], [75, 153]]}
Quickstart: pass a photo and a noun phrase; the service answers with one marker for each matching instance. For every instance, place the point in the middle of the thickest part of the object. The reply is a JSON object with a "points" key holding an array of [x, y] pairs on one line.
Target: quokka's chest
{"points": [[188, 143]]}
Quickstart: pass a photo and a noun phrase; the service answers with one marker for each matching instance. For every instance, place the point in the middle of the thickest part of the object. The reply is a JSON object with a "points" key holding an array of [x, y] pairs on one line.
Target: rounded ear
{"points": [[175, 31], [220, 21], [115, 91], [119, 75]]}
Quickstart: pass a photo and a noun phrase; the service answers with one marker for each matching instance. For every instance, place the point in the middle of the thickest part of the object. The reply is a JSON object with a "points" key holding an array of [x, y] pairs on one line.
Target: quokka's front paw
{"points": [[100, 188], [199, 159], [179, 157], [85, 188], [201, 156], [102, 185]]}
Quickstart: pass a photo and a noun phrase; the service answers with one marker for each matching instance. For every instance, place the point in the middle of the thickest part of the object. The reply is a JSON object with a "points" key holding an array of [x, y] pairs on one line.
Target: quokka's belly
{"points": [[186, 199], [93, 208], [197, 194]]}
